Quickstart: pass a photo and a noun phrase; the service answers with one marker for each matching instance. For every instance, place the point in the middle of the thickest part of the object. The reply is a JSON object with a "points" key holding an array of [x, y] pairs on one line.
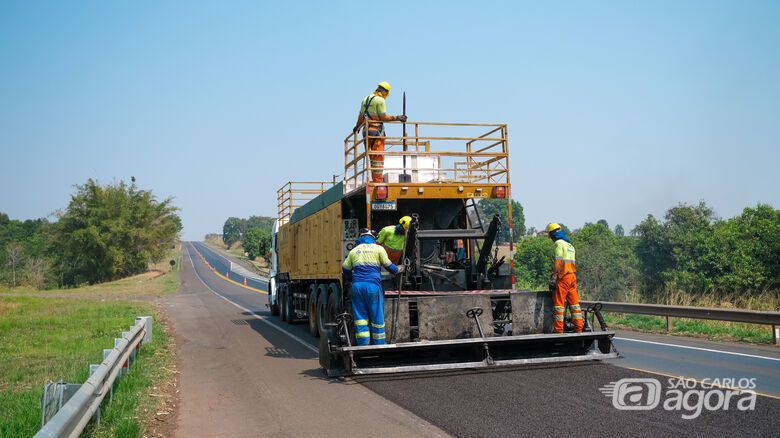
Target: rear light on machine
{"points": [[499, 192], [381, 192]]}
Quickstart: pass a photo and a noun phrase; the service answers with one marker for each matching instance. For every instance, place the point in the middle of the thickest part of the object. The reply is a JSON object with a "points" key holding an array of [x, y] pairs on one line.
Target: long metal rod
{"points": [[541, 337], [404, 132], [484, 364]]}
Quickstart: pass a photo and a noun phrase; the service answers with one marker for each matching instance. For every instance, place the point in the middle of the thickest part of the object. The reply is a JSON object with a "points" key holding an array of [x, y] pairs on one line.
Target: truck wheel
{"points": [[274, 307], [333, 306], [313, 319], [288, 303], [322, 303], [281, 298]]}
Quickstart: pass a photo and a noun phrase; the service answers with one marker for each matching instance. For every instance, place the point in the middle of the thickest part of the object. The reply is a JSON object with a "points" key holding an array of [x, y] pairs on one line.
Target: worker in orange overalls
{"points": [[563, 282], [373, 108]]}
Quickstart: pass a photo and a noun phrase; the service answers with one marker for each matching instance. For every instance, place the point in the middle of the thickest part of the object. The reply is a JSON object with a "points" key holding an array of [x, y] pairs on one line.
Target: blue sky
{"points": [[615, 110]]}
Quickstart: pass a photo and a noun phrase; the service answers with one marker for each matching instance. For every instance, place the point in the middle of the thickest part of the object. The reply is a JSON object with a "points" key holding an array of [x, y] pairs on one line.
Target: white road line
{"points": [[251, 313], [699, 348]]}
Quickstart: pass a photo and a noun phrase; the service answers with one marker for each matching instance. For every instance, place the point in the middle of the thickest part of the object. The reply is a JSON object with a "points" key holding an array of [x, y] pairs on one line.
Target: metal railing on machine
{"points": [[297, 193], [484, 157]]}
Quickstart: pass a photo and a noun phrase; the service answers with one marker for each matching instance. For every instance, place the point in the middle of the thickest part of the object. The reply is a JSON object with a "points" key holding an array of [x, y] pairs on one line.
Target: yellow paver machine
{"points": [[455, 305]]}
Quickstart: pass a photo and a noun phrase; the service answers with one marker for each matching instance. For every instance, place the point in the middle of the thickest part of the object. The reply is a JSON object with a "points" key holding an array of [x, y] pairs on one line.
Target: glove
{"points": [[401, 269], [354, 130], [401, 118], [553, 283]]}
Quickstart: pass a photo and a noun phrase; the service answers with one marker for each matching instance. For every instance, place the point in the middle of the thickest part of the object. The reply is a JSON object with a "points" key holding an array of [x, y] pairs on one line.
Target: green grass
{"points": [[48, 338], [712, 330], [132, 399]]}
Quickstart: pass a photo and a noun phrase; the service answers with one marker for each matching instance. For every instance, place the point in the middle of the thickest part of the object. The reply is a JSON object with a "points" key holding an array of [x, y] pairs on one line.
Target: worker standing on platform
{"points": [[373, 109], [563, 282], [368, 300], [391, 238]]}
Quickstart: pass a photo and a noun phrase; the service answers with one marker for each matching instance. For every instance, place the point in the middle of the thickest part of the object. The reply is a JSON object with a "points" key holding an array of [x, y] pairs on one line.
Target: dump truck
{"points": [[455, 305]]}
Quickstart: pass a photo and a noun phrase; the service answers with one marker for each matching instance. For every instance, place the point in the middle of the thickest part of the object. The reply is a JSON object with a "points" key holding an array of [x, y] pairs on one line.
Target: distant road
{"points": [[555, 401]]}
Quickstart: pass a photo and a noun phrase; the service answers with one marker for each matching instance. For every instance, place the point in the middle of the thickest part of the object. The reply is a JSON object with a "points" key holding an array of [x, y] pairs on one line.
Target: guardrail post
{"points": [[147, 322], [668, 323], [106, 352], [96, 415], [123, 370], [775, 334]]}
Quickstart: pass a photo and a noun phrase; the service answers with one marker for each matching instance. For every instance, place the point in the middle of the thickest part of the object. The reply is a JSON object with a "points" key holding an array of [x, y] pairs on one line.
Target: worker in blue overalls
{"points": [[368, 301]]}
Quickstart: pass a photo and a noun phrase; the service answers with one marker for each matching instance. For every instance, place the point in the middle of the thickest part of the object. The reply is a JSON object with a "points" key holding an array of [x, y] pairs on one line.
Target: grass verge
{"points": [[55, 338], [46, 338], [712, 330], [147, 392]]}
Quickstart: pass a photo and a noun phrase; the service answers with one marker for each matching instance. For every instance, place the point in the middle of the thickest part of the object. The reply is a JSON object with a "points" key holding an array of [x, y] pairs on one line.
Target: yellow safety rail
{"points": [[294, 194], [477, 154]]}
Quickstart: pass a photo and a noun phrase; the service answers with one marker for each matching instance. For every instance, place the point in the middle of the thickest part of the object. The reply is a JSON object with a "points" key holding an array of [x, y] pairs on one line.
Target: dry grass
{"points": [[162, 279]]}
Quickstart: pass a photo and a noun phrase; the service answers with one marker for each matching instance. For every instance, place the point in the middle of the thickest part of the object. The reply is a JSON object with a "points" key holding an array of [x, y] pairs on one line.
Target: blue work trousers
{"points": [[368, 308]]}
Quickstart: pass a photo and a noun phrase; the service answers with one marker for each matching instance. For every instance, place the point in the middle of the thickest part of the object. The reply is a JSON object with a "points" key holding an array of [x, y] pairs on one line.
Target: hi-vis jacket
{"points": [[564, 259], [366, 261]]}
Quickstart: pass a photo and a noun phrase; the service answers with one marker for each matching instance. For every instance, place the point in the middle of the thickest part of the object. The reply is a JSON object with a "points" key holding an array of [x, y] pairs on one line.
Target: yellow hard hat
{"points": [[384, 85], [552, 227], [405, 222]]}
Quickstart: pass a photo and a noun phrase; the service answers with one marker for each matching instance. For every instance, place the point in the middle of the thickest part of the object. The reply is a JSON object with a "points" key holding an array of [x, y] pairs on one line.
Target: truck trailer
{"points": [[455, 305]]}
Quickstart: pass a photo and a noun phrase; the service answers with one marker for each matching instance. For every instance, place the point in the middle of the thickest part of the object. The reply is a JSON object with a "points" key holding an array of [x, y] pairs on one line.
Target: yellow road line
{"points": [[703, 383], [214, 270]]}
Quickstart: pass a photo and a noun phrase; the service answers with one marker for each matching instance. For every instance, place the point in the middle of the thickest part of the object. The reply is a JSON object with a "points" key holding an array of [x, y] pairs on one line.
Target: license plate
{"points": [[477, 195], [383, 205]]}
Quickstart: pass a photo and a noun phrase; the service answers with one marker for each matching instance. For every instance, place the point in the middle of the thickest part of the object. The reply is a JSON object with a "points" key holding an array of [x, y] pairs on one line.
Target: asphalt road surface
{"points": [[519, 402]]}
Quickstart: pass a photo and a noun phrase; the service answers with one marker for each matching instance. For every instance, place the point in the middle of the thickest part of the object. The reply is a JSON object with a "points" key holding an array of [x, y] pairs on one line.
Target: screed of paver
{"points": [[240, 377]]}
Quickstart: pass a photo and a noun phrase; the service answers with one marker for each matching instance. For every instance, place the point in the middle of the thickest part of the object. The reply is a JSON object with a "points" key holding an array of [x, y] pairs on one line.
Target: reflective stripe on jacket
{"points": [[564, 258], [366, 261]]}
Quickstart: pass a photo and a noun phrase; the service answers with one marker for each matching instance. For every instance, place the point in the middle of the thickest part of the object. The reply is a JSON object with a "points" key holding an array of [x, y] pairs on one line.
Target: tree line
{"points": [[107, 232], [254, 233], [688, 257]]}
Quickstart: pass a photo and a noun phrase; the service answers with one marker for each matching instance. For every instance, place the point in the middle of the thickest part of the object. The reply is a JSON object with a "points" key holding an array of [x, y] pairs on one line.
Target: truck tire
{"points": [[289, 314], [274, 307], [281, 298], [333, 306], [322, 303], [313, 315]]}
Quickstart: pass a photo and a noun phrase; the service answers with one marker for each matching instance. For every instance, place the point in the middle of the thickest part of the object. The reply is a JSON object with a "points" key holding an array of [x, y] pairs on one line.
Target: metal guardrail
{"points": [[74, 415], [732, 315]]}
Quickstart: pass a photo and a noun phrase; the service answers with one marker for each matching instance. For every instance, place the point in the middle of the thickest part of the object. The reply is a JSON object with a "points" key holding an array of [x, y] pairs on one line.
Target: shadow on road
{"points": [[282, 346]]}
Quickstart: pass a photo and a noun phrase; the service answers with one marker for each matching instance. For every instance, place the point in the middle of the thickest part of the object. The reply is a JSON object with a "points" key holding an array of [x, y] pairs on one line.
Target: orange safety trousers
{"points": [[566, 292], [393, 254], [377, 160]]}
